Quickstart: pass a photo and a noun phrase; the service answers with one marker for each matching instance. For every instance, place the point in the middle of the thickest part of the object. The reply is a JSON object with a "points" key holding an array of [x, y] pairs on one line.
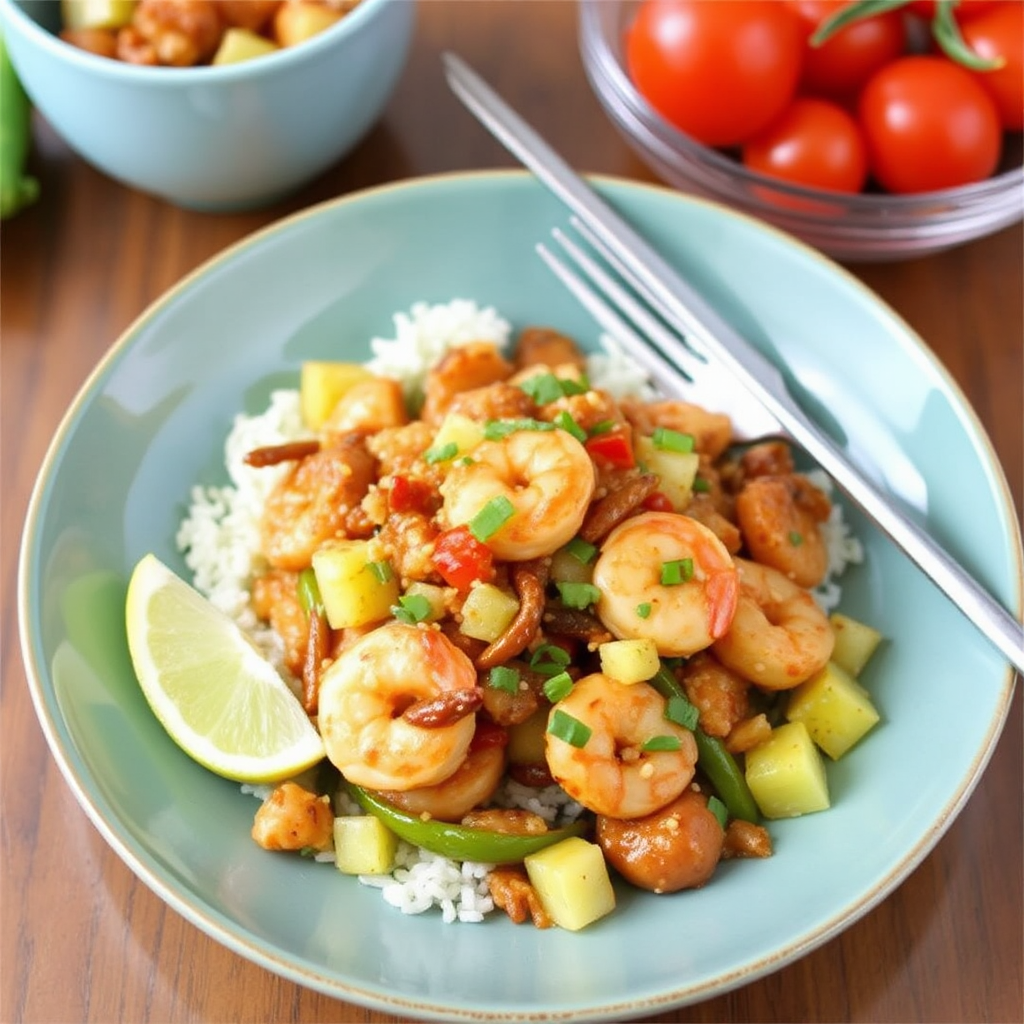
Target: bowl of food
{"points": [[320, 474], [795, 151], [211, 106]]}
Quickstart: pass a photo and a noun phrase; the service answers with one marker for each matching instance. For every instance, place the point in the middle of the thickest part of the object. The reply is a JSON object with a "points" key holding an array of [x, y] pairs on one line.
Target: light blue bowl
{"points": [[215, 138], [151, 422]]}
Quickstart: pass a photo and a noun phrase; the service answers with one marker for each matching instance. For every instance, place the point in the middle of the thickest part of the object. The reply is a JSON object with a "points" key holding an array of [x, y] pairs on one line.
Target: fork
{"points": [[730, 359]]}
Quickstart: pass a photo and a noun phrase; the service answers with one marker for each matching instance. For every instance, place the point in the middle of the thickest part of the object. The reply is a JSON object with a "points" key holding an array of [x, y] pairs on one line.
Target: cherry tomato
{"points": [[928, 125], [814, 142], [717, 71], [845, 61], [1000, 33]]}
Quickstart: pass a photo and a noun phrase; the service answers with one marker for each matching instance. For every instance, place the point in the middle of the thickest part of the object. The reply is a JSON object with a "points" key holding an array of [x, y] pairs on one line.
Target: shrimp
{"points": [[778, 517], [779, 636], [611, 773], [546, 476], [680, 617], [711, 431], [292, 818], [364, 693], [311, 503], [470, 785], [463, 368], [182, 32]]}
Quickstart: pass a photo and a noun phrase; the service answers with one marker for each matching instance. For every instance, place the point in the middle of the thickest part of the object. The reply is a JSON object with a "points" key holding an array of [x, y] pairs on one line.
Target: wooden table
{"points": [[83, 940]]}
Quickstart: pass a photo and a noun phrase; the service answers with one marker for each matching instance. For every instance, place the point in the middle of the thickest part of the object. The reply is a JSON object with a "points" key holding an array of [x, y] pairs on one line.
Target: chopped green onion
{"points": [[796, 538], [564, 727], [558, 687], [578, 595], [582, 550], [543, 388], [643, 609], [501, 677], [497, 430], [571, 386], [382, 570], [441, 453], [309, 592], [656, 743], [604, 427], [679, 570], [669, 440], [411, 608], [679, 710], [700, 485], [549, 659], [308, 851], [570, 426], [718, 809], [491, 518]]}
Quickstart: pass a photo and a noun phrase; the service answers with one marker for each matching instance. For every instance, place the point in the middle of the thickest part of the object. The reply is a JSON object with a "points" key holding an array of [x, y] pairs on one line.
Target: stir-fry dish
{"points": [[564, 635]]}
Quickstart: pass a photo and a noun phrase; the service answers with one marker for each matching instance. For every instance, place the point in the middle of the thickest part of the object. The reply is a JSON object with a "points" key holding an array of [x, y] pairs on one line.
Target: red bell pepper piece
{"points": [[461, 559], [613, 447]]}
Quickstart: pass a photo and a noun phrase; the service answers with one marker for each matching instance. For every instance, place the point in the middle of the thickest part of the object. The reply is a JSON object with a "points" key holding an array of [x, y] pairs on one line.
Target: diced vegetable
{"points": [[526, 742], [363, 845], [675, 469], [461, 559], [571, 881], [17, 189], [629, 661], [433, 595], [352, 593], [487, 612], [836, 709], [239, 44], [321, 385], [458, 430], [571, 565], [786, 773], [855, 643], [612, 447]]}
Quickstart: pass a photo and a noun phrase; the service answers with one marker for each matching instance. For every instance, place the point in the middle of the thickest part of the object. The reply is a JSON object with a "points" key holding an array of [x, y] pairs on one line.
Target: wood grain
{"points": [[82, 939]]}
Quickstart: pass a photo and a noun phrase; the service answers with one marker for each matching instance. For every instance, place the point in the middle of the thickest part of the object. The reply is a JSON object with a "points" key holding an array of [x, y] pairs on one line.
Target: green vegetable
{"points": [[491, 518], [713, 759], [458, 841], [17, 189], [558, 687], [570, 730], [309, 593]]}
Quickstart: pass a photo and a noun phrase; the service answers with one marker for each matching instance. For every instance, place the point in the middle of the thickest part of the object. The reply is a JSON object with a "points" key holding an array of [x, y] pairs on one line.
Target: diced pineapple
{"points": [[786, 773], [855, 642], [352, 593], [487, 612], [568, 568], [239, 44], [571, 881], [836, 709], [86, 14], [363, 845], [321, 386], [629, 661], [527, 740], [296, 21], [369, 405], [676, 470], [459, 432], [434, 595]]}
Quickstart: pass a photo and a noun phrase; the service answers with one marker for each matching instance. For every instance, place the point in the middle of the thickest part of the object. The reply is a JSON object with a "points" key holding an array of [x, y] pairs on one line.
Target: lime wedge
{"points": [[213, 691]]}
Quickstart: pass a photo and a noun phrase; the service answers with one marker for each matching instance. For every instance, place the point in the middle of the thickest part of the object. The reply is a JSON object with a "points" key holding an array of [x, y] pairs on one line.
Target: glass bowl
{"points": [[863, 227]]}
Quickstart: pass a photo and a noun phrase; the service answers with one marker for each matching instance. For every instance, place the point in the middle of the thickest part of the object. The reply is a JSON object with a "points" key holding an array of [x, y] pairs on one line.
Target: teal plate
{"points": [[150, 422]]}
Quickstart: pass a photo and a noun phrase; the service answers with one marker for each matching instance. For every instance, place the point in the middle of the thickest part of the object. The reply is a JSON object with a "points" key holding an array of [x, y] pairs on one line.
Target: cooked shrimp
{"points": [[311, 503], [546, 345], [182, 32], [779, 636], [611, 773], [546, 476], [682, 617], [364, 693], [470, 785], [461, 369], [292, 818], [778, 517], [711, 431]]}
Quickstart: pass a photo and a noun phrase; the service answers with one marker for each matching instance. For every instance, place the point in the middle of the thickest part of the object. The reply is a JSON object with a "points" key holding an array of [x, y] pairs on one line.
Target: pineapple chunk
{"points": [[239, 44], [434, 595], [487, 612], [297, 21], [571, 881], [369, 405], [567, 568], [676, 470], [352, 593], [629, 661], [836, 709], [855, 642], [786, 774], [527, 741], [89, 14], [458, 430], [321, 385], [363, 845]]}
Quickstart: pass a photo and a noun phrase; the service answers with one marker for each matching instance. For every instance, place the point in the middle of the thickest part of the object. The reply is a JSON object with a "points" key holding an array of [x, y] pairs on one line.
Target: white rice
{"points": [[219, 537]]}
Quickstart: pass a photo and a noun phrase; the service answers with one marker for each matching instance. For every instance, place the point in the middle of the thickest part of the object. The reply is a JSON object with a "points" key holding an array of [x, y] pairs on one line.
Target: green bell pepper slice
{"points": [[458, 841]]}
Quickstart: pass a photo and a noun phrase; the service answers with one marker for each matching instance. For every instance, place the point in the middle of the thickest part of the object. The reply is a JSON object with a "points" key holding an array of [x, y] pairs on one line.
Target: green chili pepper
{"points": [[713, 759], [458, 841], [17, 189], [309, 593]]}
